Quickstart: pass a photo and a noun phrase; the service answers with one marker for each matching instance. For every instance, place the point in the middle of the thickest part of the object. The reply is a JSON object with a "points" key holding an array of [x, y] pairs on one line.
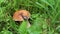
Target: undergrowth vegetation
{"points": [[45, 16]]}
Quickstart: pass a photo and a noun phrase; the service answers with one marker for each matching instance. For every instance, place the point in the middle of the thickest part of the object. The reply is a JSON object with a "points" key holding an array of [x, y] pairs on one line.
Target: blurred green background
{"points": [[45, 16]]}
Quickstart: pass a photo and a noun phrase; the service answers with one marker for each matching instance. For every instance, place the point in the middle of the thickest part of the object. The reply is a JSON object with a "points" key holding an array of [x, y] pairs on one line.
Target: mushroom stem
{"points": [[28, 24]]}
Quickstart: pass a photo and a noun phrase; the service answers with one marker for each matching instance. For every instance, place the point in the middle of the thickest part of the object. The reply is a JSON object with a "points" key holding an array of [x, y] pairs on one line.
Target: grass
{"points": [[45, 16]]}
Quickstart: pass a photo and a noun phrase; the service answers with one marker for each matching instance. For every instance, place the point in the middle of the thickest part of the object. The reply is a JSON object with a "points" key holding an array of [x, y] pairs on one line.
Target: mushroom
{"points": [[21, 15]]}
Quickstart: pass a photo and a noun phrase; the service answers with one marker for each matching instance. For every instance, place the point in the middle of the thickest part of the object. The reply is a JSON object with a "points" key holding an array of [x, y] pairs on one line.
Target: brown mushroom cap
{"points": [[21, 15]]}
